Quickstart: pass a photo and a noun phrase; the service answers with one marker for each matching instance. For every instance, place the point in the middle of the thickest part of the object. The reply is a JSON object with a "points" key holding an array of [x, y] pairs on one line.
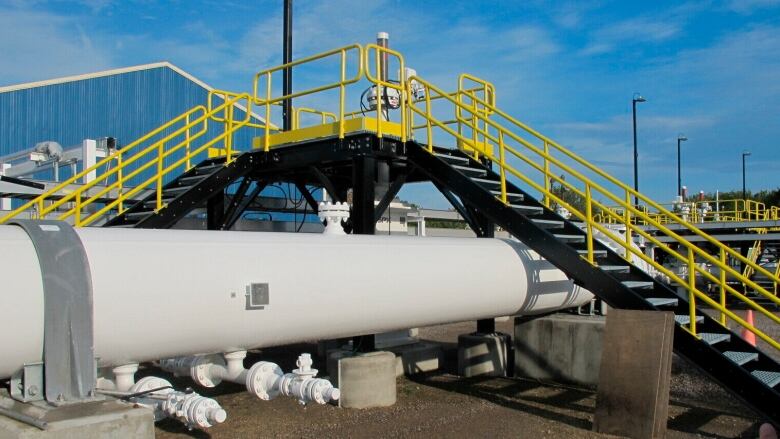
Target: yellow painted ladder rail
{"points": [[552, 163]]}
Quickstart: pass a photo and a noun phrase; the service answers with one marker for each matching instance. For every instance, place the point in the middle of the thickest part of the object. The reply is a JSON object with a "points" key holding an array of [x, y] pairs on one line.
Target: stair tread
{"points": [[570, 238], [663, 301], [768, 377], [516, 196], [527, 208], [712, 338], [177, 189], [638, 284], [140, 213], [451, 157], [547, 224], [595, 252], [470, 169], [685, 319], [485, 180], [615, 268], [741, 357]]}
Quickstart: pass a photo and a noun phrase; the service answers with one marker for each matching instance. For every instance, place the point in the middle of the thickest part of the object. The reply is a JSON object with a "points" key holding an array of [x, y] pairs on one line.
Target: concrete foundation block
{"points": [[484, 355], [94, 420], [418, 358], [561, 348], [367, 380]]}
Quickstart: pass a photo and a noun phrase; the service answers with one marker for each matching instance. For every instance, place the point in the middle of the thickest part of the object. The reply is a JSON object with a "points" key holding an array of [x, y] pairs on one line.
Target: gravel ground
{"points": [[442, 404]]}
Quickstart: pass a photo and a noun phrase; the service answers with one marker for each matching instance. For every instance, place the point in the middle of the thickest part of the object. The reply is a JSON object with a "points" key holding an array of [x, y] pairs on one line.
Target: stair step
{"points": [[208, 169], [176, 190], [638, 284], [547, 224], [452, 158], [686, 319], [485, 181], [470, 170], [663, 301], [768, 377], [153, 202], [712, 338], [570, 238], [527, 210], [141, 214], [193, 178], [124, 226], [741, 357], [615, 268], [596, 253], [511, 196]]}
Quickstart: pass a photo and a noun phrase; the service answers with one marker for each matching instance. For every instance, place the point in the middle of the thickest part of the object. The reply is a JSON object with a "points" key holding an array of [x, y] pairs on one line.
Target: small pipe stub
{"points": [[333, 214]]}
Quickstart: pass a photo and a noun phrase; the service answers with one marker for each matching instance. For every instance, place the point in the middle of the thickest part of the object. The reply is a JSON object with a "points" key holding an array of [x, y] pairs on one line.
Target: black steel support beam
{"points": [[307, 195], [235, 201], [363, 222], [287, 38], [231, 220], [333, 193], [388, 197], [215, 210], [460, 208]]}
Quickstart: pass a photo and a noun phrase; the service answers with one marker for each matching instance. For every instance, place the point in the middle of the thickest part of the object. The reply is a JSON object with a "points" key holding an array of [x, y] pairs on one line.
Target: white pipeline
{"points": [[171, 293]]}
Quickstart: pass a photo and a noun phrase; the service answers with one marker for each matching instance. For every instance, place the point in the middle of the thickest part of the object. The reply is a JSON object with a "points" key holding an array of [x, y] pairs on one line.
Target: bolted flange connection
{"points": [[333, 214], [193, 410]]}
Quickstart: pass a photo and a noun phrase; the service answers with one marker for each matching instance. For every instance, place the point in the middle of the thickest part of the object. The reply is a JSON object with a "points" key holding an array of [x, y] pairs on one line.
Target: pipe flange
{"points": [[146, 384], [262, 380], [200, 370]]}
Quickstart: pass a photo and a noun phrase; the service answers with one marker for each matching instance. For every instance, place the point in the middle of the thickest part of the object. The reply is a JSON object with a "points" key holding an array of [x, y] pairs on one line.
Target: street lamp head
{"points": [[745, 153], [639, 98], [682, 138]]}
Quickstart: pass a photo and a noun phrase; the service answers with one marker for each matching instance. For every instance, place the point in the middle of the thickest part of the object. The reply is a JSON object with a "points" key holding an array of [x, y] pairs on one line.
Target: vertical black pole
{"points": [[363, 221], [287, 57], [679, 177], [636, 159]]}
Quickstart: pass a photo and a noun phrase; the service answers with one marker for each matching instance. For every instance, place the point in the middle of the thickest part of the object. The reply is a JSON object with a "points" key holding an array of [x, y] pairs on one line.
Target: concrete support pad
{"points": [[418, 358], [484, 355], [633, 394], [94, 420], [561, 348], [366, 380]]}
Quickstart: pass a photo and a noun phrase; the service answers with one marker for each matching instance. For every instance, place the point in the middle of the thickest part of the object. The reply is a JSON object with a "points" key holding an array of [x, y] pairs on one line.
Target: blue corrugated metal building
{"points": [[123, 103]]}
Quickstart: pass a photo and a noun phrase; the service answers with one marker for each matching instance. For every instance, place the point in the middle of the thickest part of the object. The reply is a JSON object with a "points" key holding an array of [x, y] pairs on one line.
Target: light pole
{"points": [[637, 98], [680, 138], [744, 192]]}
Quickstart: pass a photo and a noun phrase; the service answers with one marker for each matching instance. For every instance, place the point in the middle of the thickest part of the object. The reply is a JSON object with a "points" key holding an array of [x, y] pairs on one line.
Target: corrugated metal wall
{"points": [[125, 106]]}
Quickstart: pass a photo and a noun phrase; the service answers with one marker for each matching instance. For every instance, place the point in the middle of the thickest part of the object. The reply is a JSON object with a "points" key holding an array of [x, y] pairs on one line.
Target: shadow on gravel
{"points": [[504, 392]]}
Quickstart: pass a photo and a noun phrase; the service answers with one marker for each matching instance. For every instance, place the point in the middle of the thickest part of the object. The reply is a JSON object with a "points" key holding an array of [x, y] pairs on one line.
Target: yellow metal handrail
{"points": [[138, 153], [267, 100], [324, 116], [383, 84], [500, 136]]}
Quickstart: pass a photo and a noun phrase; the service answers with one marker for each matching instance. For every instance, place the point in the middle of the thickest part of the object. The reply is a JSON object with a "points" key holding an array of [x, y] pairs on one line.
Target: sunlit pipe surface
{"points": [[166, 293]]}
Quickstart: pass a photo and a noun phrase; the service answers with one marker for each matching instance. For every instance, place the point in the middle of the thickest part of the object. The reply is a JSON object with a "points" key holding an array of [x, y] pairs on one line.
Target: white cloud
{"points": [[750, 6], [39, 45], [630, 32]]}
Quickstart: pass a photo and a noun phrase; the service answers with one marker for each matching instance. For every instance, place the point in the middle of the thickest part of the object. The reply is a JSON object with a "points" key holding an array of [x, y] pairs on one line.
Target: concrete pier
{"points": [[484, 355]]}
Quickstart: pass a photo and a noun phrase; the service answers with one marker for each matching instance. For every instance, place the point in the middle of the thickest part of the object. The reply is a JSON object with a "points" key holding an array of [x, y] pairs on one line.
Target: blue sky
{"points": [[709, 69]]}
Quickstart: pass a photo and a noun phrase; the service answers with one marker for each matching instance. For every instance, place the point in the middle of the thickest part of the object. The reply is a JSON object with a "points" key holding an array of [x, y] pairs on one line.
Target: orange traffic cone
{"points": [[747, 334]]}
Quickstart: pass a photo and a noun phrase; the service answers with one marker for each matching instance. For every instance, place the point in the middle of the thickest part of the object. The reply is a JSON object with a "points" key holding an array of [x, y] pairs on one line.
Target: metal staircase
{"points": [[724, 355]]}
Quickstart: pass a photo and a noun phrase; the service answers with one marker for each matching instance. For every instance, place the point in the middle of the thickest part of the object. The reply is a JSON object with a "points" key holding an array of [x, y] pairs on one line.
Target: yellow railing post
{"points": [[428, 123], [187, 139], [627, 221], [120, 182], [77, 220], [722, 279], [267, 137], [229, 135], [691, 289], [502, 163], [589, 222], [547, 182], [160, 152], [342, 92]]}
